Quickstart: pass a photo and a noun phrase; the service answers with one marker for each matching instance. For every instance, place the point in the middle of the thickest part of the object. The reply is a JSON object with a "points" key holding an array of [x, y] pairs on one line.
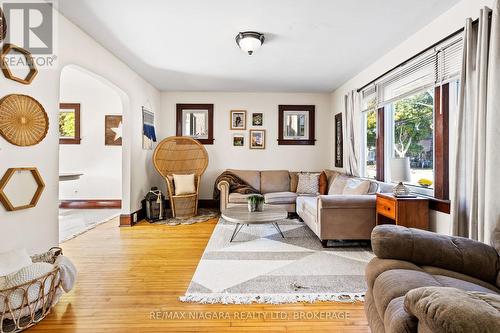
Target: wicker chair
{"points": [[181, 155]]}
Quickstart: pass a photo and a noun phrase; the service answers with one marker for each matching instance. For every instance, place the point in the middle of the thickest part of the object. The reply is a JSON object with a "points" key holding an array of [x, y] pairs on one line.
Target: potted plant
{"points": [[255, 203]]}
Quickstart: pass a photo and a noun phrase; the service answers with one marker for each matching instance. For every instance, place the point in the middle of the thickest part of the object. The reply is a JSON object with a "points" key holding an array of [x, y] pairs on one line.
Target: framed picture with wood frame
{"points": [[238, 119], [257, 139], [238, 140], [113, 130], [69, 124], [339, 142]]}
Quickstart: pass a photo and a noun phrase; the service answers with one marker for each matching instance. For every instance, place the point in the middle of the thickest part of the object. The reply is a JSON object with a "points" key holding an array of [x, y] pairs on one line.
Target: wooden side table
{"points": [[407, 212]]}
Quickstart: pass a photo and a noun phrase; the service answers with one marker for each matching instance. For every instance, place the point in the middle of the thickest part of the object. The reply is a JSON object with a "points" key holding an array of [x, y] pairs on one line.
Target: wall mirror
{"points": [[195, 121], [20, 188], [296, 125]]}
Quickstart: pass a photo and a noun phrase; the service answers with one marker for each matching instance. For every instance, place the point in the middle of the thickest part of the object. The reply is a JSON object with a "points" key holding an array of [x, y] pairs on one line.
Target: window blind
{"points": [[435, 67]]}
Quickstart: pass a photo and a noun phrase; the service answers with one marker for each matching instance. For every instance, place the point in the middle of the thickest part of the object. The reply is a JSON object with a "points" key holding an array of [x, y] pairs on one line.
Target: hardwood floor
{"points": [[126, 275]]}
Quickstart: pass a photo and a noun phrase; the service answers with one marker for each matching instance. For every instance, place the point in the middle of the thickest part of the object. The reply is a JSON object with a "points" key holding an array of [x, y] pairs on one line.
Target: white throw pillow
{"points": [[13, 261], [184, 184], [356, 186], [308, 183], [338, 185]]}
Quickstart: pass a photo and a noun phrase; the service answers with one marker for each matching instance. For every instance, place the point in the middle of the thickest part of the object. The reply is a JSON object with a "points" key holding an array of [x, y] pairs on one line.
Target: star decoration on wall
{"points": [[118, 131]]}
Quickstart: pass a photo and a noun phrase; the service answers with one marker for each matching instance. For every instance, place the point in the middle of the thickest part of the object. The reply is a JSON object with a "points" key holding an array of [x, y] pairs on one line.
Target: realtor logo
{"points": [[30, 25]]}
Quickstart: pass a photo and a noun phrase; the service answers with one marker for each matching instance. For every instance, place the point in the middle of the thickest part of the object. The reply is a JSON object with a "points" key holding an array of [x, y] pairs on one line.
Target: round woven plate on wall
{"points": [[23, 121]]}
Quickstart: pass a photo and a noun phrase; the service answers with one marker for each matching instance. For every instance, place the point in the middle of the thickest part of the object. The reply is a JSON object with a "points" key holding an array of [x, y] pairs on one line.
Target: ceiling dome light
{"points": [[249, 41]]}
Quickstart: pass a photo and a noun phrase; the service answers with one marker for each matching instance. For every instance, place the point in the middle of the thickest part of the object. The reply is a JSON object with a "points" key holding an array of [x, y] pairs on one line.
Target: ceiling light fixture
{"points": [[249, 41]]}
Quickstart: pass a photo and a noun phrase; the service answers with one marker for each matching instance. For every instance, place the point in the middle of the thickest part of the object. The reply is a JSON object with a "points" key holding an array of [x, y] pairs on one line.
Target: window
{"points": [[196, 121], [412, 127], [370, 144], [296, 125], [69, 123], [405, 118]]}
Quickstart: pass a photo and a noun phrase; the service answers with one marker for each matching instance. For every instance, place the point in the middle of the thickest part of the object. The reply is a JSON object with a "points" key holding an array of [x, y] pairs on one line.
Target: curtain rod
{"points": [[418, 54]]}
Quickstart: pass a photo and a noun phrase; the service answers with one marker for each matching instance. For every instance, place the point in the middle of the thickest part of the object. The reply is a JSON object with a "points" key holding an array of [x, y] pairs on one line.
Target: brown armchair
{"points": [[425, 282]]}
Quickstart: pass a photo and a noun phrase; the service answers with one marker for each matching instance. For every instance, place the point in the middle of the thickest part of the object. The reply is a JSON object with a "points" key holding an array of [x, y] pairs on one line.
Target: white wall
{"points": [[447, 23], [223, 155], [101, 165], [37, 228]]}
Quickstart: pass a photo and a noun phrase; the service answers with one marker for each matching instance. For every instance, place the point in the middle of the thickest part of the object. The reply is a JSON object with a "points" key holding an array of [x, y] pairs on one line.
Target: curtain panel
{"points": [[352, 114], [475, 212]]}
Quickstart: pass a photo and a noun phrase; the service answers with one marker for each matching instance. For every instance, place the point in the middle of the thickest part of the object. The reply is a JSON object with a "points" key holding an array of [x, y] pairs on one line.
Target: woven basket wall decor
{"points": [[23, 121]]}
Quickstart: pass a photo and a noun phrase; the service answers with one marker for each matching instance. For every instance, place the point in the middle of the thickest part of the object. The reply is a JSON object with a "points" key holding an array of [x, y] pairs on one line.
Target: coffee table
{"points": [[241, 216]]}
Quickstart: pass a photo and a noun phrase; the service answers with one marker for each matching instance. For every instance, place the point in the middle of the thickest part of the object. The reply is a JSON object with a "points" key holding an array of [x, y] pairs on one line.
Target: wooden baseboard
{"points": [[90, 204], [128, 220], [208, 203]]}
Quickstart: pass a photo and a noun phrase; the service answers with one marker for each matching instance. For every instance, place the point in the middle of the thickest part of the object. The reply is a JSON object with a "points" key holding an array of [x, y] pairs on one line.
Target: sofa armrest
{"points": [[346, 201], [425, 248], [223, 187], [445, 310]]}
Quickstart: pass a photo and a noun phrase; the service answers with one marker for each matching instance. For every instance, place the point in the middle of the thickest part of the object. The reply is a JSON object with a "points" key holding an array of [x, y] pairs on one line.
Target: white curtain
{"points": [[352, 116], [475, 212]]}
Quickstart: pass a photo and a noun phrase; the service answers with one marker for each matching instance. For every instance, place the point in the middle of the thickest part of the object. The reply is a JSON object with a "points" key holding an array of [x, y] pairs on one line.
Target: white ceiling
{"points": [[311, 45]]}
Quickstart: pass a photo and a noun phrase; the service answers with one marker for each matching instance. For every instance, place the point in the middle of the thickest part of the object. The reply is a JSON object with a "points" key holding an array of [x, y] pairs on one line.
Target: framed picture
{"points": [[69, 123], [148, 129], [238, 119], [296, 125], [196, 121], [339, 144], [238, 140], [257, 139], [257, 119], [113, 130]]}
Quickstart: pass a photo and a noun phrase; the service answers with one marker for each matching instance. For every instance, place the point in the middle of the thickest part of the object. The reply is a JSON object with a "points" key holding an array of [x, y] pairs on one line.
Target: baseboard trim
{"points": [[208, 203], [90, 204], [129, 220]]}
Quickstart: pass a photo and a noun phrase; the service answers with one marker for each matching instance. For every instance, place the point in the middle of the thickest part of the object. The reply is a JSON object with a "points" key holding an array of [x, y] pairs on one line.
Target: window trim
{"points": [[209, 107], [310, 109], [76, 109]]}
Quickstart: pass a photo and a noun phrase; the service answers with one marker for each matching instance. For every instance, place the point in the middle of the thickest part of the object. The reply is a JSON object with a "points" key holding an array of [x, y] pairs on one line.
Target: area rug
{"points": [[204, 215], [262, 267]]}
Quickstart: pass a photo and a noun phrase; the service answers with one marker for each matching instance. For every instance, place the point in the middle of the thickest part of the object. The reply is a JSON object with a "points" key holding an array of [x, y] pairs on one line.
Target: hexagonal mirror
{"points": [[18, 64], [20, 188]]}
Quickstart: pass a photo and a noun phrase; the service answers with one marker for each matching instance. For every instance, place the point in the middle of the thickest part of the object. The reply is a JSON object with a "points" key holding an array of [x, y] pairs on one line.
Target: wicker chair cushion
{"points": [[184, 184], [25, 275]]}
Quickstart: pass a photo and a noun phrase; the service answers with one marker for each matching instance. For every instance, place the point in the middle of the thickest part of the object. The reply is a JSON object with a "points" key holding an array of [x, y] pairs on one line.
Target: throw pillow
{"points": [[356, 186], [184, 184], [323, 183], [13, 261], [338, 184], [308, 183]]}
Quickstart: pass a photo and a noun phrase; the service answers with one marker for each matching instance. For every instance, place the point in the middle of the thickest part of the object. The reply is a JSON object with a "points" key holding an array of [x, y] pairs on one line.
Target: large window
{"points": [[412, 129]]}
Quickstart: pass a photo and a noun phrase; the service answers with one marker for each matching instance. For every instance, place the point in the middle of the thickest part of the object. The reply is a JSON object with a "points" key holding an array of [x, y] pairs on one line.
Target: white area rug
{"points": [[260, 266]]}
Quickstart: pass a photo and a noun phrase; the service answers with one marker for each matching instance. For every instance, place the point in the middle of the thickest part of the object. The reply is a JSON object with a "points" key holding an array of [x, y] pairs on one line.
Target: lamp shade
{"points": [[400, 169]]}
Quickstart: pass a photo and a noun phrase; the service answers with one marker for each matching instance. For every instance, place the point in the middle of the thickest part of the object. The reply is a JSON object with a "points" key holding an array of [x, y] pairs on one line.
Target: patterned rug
{"points": [[203, 216], [260, 266]]}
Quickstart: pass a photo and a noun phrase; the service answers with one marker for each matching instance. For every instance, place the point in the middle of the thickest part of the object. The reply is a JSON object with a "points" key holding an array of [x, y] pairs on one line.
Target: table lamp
{"points": [[400, 172]]}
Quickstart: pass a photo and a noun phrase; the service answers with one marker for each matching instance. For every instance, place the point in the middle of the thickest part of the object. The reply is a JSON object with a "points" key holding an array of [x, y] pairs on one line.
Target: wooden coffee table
{"points": [[241, 216]]}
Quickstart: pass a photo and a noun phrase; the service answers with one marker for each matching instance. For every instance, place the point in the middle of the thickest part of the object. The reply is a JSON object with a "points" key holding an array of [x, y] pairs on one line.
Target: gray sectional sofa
{"points": [[334, 216]]}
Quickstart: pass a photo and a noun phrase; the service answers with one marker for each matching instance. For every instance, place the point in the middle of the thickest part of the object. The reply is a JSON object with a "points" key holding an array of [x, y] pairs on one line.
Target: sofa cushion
{"points": [[280, 198], [330, 176], [338, 184], [238, 198], [308, 204], [274, 181], [356, 186], [250, 176], [443, 310]]}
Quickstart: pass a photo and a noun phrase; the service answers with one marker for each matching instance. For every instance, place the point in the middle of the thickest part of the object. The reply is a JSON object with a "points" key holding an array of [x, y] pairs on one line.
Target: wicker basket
{"points": [[32, 309]]}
